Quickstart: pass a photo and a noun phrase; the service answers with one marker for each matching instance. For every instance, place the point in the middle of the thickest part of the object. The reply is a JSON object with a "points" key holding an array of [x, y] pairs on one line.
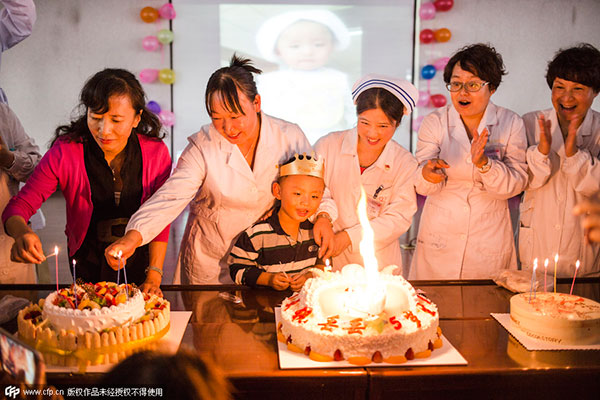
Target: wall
{"points": [[73, 39]]}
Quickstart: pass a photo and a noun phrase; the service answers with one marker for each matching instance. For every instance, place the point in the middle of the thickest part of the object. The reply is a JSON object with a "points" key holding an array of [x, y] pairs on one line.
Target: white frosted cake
{"points": [[557, 317], [337, 317], [94, 323]]}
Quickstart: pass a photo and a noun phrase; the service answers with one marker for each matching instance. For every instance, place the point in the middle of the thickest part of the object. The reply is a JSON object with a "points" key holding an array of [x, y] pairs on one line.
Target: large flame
{"points": [[367, 243]]}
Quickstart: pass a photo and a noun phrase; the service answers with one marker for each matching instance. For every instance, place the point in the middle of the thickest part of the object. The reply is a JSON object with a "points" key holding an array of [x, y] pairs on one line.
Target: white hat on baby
{"points": [[268, 34], [401, 88]]}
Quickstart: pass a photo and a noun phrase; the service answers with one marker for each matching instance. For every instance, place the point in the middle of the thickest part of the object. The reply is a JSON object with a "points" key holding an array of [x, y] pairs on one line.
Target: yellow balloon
{"points": [[166, 76]]}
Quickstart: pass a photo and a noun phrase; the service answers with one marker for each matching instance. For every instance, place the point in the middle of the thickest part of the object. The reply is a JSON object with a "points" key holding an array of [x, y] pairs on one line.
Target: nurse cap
{"points": [[402, 89], [303, 164], [268, 34]]}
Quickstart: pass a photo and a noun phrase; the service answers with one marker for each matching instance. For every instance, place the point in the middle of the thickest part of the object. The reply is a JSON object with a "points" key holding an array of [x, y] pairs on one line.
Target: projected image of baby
{"points": [[304, 90]]}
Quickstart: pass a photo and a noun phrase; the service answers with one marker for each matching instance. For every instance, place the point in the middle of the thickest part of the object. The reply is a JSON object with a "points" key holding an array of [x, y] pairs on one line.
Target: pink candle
{"points": [[576, 269], [555, 262], [545, 272], [56, 265]]}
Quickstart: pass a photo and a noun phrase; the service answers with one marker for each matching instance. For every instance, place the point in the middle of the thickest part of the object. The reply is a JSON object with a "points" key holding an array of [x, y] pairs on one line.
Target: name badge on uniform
{"points": [[375, 203], [493, 152]]}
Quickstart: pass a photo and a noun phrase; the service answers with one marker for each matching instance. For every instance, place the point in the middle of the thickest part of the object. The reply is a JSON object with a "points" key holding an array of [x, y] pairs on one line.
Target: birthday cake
{"points": [[557, 317], [336, 316], [94, 323]]}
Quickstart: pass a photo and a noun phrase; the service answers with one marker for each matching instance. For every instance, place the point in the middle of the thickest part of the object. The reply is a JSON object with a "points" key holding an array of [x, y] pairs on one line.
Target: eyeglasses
{"points": [[471, 86]]}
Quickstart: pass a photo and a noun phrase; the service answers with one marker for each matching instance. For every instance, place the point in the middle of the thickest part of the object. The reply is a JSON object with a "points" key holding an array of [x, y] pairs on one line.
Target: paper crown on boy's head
{"points": [[402, 89], [303, 164]]}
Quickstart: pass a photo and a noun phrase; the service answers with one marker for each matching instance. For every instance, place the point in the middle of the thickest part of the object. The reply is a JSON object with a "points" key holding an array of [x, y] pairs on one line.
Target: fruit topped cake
{"points": [[337, 316], [101, 322]]}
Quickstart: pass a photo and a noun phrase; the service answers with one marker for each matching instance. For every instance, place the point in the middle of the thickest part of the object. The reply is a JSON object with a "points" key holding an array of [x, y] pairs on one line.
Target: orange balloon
{"points": [[443, 35], [149, 14]]}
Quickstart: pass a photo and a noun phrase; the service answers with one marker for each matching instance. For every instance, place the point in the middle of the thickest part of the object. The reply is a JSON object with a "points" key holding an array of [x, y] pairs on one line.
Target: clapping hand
{"points": [[434, 170], [478, 148], [571, 139], [545, 143]]}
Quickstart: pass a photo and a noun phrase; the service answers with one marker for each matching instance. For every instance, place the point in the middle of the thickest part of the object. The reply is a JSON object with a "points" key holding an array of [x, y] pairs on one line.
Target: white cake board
{"points": [[168, 344], [445, 355], [531, 343]]}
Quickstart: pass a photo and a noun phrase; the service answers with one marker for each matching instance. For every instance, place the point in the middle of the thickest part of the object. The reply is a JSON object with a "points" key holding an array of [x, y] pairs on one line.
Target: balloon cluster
{"points": [[154, 43], [428, 11]]}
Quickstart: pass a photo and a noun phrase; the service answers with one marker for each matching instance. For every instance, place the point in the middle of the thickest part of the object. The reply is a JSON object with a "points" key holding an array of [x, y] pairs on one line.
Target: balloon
{"points": [[426, 36], [438, 100], [443, 5], [427, 11], [167, 76], [440, 63], [428, 71], [165, 36], [167, 118], [148, 75], [443, 35], [149, 14], [167, 11], [150, 43], [416, 124], [153, 107], [423, 99]]}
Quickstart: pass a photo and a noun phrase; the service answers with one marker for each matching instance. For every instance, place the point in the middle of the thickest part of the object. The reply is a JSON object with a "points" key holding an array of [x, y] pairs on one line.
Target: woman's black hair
{"points": [[479, 59], [95, 95], [226, 81], [374, 98], [579, 64]]}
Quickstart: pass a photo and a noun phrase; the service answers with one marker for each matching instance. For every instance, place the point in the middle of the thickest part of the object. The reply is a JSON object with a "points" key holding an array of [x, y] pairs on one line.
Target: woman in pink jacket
{"points": [[107, 162]]}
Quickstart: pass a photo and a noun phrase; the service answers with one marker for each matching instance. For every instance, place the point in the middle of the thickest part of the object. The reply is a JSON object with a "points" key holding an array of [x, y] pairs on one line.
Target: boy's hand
{"points": [[279, 281], [298, 280]]}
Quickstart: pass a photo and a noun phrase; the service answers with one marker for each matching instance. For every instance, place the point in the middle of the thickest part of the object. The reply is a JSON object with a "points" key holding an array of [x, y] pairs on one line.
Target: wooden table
{"points": [[241, 339]]}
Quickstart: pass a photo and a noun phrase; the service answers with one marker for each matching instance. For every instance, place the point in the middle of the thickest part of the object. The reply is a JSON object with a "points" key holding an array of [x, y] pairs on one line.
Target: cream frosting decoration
{"points": [[80, 321], [557, 317]]}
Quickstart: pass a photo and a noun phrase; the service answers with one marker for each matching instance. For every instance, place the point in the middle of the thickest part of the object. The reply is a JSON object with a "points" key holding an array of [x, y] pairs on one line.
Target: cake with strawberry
{"points": [[337, 316], [94, 323]]}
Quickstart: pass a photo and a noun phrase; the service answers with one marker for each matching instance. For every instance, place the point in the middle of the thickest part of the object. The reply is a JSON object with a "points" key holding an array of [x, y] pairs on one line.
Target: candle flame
{"points": [[74, 262], [120, 254], [556, 258], [55, 250], [546, 263], [577, 264], [367, 247]]}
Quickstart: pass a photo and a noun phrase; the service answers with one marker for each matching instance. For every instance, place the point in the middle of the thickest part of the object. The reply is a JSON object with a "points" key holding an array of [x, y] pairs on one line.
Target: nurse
{"points": [[224, 174], [564, 169], [472, 160], [367, 157]]}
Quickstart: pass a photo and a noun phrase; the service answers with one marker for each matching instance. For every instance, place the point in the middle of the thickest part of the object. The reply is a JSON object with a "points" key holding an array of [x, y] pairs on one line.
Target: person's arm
{"points": [[427, 154], [157, 251], [18, 152], [163, 207], [508, 177], [16, 22]]}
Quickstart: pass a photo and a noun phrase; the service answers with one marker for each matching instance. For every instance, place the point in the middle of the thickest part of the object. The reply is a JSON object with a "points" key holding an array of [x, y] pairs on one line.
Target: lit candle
{"points": [[555, 262], [74, 282], [545, 272], [56, 265], [574, 276], [327, 266], [532, 277]]}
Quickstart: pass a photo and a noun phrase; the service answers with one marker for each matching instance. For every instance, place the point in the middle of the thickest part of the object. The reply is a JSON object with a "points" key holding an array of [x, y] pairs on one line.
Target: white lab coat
{"points": [[556, 184], [465, 230], [224, 194], [27, 155], [388, 184]]}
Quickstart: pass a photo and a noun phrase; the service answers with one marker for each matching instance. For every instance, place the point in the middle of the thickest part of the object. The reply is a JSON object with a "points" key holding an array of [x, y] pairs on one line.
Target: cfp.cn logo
{"points": [[12, 392]]}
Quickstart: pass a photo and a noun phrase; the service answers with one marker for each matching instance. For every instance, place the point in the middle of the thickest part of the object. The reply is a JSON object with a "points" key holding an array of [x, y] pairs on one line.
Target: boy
{"points": [[278, 251]]}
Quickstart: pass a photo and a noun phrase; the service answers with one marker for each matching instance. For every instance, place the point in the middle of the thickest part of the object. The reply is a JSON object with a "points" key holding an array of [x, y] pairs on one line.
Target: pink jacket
{"points": [[63, 165]]}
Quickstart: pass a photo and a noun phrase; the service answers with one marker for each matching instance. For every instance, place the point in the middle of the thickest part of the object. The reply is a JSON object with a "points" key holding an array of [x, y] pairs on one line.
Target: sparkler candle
{"points": [[533, 277], [545, 272], [555, 262], [574, 276]]}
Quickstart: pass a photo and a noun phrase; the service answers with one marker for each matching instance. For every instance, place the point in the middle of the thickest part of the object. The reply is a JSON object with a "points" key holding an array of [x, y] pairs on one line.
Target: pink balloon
{"points": [[148, 75], [427, 11], [167, 118], [440, 63], [416, 124], [167, 11], [423, 99], [150, 43], [438, 100]]}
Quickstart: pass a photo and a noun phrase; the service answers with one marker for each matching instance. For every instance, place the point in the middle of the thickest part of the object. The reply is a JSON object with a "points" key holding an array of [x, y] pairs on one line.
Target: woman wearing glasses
{"points": [[472, 160]]}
